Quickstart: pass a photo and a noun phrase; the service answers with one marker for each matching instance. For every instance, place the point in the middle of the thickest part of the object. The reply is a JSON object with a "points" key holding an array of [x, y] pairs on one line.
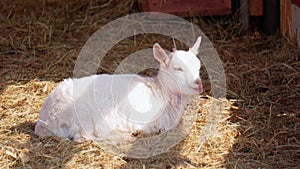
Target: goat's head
{"points": [[179, 70]]}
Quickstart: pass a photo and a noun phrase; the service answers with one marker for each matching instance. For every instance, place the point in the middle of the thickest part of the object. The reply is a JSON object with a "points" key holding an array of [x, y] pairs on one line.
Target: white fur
{"points": [[101, 107]]}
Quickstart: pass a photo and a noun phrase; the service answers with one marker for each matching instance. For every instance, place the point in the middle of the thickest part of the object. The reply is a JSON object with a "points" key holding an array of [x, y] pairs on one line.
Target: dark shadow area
{"points": [[265, 141], [265, 76]]}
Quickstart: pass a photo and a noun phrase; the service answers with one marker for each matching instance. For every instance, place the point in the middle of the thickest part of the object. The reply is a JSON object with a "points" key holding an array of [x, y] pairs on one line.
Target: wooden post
{"points": [[295, 22], [245, 12], [285, 18]]}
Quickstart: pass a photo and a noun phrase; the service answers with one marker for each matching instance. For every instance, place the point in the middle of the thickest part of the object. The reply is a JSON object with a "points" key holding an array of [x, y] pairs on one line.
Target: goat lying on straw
{"points": [[107, 105]]}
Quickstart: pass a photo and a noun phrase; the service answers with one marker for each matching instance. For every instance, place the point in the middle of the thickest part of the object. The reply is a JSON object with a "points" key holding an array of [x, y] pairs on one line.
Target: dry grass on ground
{"points": [[39, 43]]}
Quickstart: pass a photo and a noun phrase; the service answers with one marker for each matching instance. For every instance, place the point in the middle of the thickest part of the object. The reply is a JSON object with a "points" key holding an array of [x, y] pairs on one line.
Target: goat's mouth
{"points": [[198, 89]]}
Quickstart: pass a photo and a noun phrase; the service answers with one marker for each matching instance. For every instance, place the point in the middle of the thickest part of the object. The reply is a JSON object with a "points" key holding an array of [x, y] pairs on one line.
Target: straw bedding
{"points": [[259, 126]]}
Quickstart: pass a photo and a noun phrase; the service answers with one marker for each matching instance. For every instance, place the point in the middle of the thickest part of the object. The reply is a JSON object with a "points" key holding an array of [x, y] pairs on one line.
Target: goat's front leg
{"points": [[119, 136]]}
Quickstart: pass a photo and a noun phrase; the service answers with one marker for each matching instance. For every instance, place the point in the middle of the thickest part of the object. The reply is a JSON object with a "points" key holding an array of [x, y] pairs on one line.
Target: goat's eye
{"points": [[178, 69]]}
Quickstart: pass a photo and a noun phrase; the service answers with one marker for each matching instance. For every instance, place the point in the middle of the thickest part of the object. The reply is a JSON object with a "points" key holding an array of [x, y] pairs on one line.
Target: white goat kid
{"points": [[100, 107]]}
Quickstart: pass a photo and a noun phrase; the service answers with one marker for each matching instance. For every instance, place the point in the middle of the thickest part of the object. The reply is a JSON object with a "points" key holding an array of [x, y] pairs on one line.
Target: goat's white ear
{"points": [[195, 48], [160, 55]]}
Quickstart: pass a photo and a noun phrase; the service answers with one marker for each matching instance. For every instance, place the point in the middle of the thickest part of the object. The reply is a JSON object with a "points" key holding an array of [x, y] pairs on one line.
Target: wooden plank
{"points": [[285, 18], [295, 23], [256, 7], [187, 7]]}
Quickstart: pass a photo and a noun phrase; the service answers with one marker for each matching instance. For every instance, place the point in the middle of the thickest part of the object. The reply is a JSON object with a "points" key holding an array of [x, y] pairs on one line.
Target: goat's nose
{"points": [[198, 81]]}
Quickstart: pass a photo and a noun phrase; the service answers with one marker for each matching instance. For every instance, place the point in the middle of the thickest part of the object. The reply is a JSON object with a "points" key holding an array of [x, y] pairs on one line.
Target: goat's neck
{"points": [[174, 99]]}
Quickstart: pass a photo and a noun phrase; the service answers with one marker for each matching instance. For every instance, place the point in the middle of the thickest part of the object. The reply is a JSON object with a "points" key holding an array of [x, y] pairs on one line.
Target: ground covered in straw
{"points": [[39, 44]]}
